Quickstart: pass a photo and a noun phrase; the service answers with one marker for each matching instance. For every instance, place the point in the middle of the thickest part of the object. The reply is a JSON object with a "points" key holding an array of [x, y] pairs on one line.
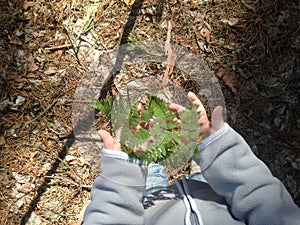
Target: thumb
{"points": [[217, 121]]}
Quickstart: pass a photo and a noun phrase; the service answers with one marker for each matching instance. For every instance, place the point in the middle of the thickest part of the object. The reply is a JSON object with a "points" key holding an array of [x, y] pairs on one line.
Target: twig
{"points": [[73, 46], [248, 5], [42, 113], [171, 55], [59, 47]]}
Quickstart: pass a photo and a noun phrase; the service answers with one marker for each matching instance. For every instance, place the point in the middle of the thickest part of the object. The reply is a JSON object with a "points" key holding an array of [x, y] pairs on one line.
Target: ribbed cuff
{"points": [[205, 142], [119, 168]]}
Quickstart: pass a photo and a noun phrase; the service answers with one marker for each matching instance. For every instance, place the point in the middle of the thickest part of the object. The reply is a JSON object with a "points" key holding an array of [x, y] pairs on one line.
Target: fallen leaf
{"points": [[27, 4], [228, 79], [20, 178], [206, 34], [36, 170], [129, 2], [15, 41], [20, 203], [50, 70], [20, 100], [2, 140], [71, 159], [231, 21], [32, 66], [25, 188], [46, 167]]}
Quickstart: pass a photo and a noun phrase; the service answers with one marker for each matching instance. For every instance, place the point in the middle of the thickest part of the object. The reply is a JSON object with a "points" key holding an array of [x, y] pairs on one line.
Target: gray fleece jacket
{"points": [[240, 190]]}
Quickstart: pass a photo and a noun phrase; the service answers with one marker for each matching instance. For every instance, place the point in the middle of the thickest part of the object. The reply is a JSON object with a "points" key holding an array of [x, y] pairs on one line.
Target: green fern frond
{"points": [[163, 137], [104, 106]]}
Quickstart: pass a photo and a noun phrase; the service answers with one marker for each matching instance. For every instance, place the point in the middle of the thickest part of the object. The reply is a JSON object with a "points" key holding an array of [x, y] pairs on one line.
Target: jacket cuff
{"points": [[115, 154], [214, 145], [205, 142], [119, 170]]}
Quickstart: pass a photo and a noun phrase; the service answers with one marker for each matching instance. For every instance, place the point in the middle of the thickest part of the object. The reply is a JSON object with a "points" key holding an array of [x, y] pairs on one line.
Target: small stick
{"points": [[42, 113], [171, 55], [59, 47]]}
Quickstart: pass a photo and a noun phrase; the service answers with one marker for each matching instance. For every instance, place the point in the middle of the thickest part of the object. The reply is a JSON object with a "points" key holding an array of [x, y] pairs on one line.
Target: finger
{"points": [[179, 109], [196, 102], [108, 141], [118, 134], [217, 118], [194, 98]]}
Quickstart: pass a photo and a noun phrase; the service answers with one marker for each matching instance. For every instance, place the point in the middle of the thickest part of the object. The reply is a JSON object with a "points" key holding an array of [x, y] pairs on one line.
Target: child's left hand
{"points": [[110, 142]]}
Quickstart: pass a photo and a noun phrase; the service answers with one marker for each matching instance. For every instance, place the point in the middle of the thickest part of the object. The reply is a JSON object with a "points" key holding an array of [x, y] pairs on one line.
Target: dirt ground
{"points": [[46, 47]]}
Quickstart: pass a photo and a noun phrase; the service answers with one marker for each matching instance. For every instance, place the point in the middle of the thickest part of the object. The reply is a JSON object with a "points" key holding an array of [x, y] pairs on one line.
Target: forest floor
{"points": [[46, 47]]}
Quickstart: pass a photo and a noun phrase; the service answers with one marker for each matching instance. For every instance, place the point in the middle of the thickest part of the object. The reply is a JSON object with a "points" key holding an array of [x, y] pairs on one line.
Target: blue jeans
{"points": [[157, 179]]}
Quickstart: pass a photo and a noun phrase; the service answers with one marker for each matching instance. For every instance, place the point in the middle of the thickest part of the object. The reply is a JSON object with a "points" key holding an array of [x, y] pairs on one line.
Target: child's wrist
{"points": [[211, 138]]}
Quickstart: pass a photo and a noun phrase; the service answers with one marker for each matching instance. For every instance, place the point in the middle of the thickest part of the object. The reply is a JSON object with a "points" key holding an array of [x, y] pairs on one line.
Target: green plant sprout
{"points": [[89, 16], [151, 131], [133, 37]]}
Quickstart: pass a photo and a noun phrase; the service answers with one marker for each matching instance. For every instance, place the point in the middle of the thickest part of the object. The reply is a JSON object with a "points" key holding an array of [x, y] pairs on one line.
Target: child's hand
{"points": [[110, 142], [208, 127]]}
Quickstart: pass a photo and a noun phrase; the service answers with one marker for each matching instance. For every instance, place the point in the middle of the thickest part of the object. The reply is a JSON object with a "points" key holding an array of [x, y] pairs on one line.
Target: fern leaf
{"points": [[164, 137], [104, 106]]}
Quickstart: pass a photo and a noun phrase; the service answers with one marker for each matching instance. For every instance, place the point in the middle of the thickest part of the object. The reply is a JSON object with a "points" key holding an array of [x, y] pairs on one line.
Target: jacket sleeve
{"points": [[116, 196], [253, 194]]}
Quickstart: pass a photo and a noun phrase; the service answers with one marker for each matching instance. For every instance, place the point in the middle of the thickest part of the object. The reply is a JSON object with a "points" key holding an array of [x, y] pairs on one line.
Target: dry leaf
{"points": [[129, 2], [15, 41], [50, 70], [220, 72], [250, 4], [32, 66], [71, 159], [2, 141], [20, 100], [22, 179], [231, 21], [27, 4], [37, 170], [25, 188], [228, 79], [206, 34]]}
